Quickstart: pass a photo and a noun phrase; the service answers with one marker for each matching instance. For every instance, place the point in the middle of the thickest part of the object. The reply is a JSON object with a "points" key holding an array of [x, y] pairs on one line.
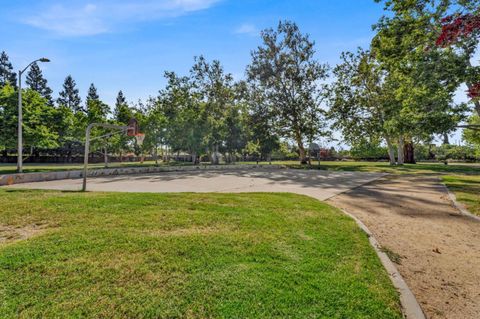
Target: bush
{"points": [[369, 151]]}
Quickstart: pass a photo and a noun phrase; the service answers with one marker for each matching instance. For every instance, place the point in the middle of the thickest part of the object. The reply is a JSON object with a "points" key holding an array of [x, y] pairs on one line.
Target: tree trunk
{"points": [[301, 149], [391, 150], [105, 157], [401, 145], [194, 158], [215, 158], [409, 152], [477, 107], [445, 139], [475, 103]]}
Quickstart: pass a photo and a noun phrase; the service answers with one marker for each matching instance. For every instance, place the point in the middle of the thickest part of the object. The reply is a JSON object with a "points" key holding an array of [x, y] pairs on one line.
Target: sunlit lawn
{"points": [[385, 167], [112, 255], [466, 189]]}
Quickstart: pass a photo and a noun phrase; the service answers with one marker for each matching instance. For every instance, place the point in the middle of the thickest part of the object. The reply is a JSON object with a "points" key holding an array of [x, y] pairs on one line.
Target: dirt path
{"points": [[439, 249]]}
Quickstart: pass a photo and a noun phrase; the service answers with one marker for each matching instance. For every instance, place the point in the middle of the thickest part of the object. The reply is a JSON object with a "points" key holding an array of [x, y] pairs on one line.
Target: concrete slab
{"points": [[318, 184]]}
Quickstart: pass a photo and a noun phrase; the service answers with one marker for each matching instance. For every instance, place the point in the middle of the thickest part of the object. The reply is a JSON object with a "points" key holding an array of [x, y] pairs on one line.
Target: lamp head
{"points": [[44, 60]]}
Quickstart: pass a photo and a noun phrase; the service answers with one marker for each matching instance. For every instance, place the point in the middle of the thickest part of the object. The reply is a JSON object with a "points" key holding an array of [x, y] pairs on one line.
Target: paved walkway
{"points": [[314, 183], [438, 249]]}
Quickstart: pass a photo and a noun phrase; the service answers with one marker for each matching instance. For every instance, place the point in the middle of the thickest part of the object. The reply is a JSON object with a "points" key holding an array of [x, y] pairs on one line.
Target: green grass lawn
{"points": [[466, 189], [420, 168], [185, 255]]}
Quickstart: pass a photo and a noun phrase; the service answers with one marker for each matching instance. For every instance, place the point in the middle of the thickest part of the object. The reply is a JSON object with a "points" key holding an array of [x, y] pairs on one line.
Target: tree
{"points": [[260, 123], [214, 89], [285, 69], [235, 132], [361, 103], [69, 96], [8, 118], [7, 75], [67, 125], [92, 94], [97, 111], [461, 31], [38, 118], [185, 116], [472, 136], [38, 83], [122, 113], [423, 78], [121, 116], [154, 125]]}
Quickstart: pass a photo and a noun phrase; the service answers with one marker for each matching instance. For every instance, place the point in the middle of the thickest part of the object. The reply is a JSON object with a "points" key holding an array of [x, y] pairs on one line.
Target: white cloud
{"points": [[247, 28], [81, 18]]}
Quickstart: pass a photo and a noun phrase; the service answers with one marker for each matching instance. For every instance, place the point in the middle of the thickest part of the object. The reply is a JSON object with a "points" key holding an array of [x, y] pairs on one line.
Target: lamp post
{"points": [[20, 115]]}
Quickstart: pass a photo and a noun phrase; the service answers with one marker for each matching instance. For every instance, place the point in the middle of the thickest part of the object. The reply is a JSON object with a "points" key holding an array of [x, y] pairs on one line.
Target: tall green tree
{"points": [[185, 115], [92, 94], [97, 110], [121, 116], [460, 31], [361, 101], [236, 132], [472, 135], [214, 87], [39, 131], [260, 123], [154, 126], [423, 78], [38, 83], [7, 75], [284, 68], [122, 113], [8, 118], [69, 96]]}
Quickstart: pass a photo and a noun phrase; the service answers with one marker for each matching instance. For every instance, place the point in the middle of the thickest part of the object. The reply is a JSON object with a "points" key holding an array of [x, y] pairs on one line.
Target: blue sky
{"points": [[128, 44]]}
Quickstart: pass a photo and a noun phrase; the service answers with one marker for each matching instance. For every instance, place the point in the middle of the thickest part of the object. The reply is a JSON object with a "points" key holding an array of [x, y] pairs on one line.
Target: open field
{"points": [[191, 255]]}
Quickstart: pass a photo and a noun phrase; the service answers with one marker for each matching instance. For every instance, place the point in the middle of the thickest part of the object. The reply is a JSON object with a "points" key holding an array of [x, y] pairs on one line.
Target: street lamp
{"points": [[20, 115]]}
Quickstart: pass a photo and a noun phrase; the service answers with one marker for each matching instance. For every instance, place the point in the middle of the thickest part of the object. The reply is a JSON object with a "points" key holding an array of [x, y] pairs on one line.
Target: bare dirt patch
{"points": [[437, 248], [10, 234]]}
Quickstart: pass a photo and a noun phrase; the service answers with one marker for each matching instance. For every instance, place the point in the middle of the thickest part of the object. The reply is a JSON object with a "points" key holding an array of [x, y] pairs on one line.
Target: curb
{"points": [[459, 206], [410, 307]]}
